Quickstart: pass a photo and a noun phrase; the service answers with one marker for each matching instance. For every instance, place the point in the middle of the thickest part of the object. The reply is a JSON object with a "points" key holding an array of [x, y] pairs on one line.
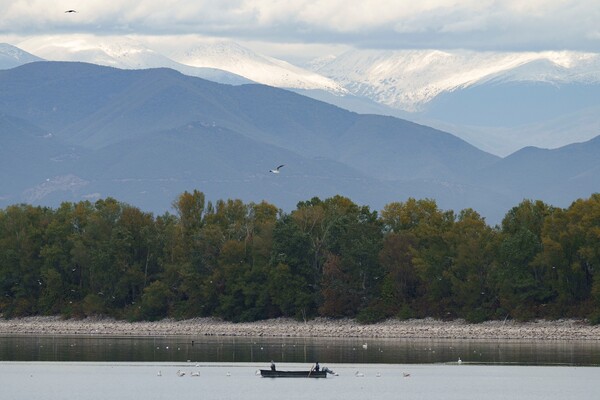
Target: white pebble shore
{"points": [[320, 327]]}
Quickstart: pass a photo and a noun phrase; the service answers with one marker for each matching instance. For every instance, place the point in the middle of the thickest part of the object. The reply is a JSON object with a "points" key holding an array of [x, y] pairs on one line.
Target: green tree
{"points": [[474, 245], [402, 286], [520, 282], [431, 252], [292, 281]]}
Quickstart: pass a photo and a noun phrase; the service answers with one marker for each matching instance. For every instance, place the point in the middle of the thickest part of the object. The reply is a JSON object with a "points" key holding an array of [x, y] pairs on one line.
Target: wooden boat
{"points": [[267, 373]]}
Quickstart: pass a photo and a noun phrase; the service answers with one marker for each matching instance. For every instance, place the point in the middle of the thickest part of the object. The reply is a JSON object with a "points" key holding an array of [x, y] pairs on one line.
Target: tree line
{"points": [[331, 258]]}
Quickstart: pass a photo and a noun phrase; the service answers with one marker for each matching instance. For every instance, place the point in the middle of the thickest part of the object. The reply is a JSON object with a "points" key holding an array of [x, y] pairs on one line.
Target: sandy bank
{"points": [[424, 328]]}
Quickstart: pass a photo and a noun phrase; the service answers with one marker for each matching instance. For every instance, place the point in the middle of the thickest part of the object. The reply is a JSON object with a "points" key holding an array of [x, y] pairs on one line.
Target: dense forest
{"points": [[331, 258]]}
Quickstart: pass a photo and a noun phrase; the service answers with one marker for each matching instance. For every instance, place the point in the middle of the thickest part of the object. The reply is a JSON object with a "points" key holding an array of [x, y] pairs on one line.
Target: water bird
{"points": [[276, 170], [364, 346], [405, 374], [359, 374], [180, 373], [228, 374], [459, 360], [378, 375], [159, 373], [197, 373]]}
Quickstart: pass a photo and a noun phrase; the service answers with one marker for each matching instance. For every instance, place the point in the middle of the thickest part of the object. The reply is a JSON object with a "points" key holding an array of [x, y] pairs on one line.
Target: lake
{"points": [[91, 381], [304, 350], [88, 367]]}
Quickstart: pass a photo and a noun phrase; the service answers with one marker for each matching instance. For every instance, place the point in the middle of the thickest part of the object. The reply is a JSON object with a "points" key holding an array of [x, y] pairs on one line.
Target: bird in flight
{"points": [[70, 11], [276, 170]]}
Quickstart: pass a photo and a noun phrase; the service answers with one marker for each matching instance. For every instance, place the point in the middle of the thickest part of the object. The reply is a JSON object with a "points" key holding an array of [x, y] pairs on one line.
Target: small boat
{"points": [[267, 373]]}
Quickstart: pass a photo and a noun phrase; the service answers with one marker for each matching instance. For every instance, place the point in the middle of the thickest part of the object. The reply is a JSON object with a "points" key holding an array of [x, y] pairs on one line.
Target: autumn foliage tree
{"points": [[328, 257]]}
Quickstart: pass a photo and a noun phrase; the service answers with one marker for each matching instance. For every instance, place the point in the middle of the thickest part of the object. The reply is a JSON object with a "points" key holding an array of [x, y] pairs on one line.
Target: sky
{"points": [[315, 28]]}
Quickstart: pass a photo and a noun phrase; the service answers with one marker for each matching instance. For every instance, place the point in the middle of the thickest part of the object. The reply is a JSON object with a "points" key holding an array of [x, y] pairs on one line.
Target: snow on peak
{"points": [[408, 79], [118, 52], [11, 56], [236, 64], [232, 57]]}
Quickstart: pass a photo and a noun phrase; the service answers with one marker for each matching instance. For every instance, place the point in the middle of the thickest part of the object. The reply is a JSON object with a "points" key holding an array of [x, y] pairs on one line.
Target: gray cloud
{"points": [[469, 24]]}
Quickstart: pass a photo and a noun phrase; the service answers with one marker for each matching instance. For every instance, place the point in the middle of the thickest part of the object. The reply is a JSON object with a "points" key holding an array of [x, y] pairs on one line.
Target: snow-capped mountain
{"points": [[219, 61], [11, 56], [409, 79], [122, 52], [232, 57], [498, 101]]}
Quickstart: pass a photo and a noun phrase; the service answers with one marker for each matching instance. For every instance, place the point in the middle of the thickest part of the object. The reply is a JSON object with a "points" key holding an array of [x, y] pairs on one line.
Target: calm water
{"points": [[115, 381], [262, 350], [90, 368]]}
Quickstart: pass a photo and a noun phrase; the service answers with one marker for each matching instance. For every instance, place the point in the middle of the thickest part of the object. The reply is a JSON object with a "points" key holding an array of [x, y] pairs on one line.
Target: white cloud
{"points": [[480, 24]]}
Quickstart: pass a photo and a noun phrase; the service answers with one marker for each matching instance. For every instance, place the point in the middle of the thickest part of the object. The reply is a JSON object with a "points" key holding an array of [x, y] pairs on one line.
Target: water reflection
{"points": [[302, 350]]}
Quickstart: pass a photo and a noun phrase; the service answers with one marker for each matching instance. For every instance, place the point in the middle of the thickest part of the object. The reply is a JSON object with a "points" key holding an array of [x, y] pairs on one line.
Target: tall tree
{"points": [[520, 282], [428, 227], [474, 244]]}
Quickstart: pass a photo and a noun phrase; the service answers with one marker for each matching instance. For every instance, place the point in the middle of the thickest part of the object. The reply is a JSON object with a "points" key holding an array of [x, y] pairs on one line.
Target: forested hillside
{"points": [[329, 258]]}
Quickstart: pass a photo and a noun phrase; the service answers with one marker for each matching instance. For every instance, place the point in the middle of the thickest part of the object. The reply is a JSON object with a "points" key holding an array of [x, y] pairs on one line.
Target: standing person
{"points": [[272, 366], [317, 367]]}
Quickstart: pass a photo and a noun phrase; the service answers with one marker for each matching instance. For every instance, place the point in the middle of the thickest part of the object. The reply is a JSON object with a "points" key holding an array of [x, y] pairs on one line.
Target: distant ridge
{"points": [[497, 101], [144, 136]]}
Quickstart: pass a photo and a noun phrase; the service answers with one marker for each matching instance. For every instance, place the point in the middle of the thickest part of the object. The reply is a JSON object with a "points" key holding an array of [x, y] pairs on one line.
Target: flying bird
{"points": [[276, 170], [70, 11]]}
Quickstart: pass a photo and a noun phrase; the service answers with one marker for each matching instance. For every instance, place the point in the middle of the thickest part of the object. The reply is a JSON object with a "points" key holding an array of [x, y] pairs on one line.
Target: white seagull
{"points": [[276, 170]]}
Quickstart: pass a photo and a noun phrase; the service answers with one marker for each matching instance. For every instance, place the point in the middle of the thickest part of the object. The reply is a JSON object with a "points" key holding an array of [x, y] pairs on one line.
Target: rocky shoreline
{"points": [[320, 327]]}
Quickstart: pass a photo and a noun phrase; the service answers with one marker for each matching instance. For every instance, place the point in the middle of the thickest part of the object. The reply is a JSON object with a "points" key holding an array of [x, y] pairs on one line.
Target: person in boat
{"points": [[272, 366], [317, 367]]}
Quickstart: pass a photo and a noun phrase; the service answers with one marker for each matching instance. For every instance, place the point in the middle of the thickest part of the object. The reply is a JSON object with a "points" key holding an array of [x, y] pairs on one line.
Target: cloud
{"points": [[477, 24]]}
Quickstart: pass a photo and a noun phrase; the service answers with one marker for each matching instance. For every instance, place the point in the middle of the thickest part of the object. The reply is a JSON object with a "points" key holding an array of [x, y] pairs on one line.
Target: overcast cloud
{"points": [[400, 24]]}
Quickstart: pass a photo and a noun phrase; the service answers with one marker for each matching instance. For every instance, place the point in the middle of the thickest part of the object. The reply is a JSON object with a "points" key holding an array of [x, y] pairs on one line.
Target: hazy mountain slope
{"points": [[409, 79], [30, 156], [482, 97], [132, 103], [11, 56], [509, 103], [498, 101], [147, 135], [232, 57], [150, 171], [403, 150], [558, 176], [121, 52]]}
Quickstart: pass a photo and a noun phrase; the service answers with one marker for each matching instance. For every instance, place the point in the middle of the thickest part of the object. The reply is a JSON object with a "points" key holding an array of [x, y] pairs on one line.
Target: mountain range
{"points": [[74, 131], [497, 101]]}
